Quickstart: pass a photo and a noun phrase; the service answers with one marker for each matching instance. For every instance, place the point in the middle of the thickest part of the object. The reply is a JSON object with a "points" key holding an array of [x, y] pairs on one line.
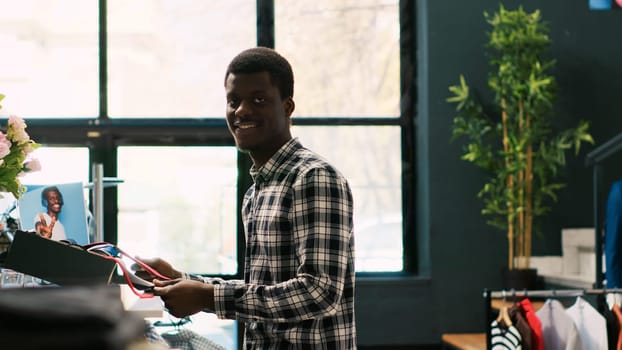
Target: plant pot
{"points": [[520, 279]]}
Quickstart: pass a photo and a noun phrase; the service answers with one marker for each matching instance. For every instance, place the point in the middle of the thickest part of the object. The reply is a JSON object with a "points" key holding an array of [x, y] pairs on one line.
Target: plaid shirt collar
{"points": [[275, 164]]}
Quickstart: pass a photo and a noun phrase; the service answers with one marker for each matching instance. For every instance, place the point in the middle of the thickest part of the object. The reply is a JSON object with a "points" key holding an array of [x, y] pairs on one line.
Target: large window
{"points": [[346, 60], [138, 87], [345, 54], [180, 203], [372, 165], [167, 58], [49, 61]]}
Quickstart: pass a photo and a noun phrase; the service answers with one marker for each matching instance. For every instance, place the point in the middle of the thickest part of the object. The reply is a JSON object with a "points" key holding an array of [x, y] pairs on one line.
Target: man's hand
{"points": [[184, 297], [43, 229], [163, 267]]}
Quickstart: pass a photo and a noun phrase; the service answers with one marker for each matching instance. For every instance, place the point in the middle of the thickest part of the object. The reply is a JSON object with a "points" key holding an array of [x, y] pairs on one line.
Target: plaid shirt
{"points": [[298, 288]]}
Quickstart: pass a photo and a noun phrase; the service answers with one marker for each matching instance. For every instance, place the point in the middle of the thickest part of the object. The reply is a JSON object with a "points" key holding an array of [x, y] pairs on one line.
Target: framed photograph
{"points": [[55, 211]]}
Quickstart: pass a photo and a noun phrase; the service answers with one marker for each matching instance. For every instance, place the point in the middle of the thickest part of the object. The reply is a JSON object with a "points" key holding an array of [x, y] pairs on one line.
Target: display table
{"points": [[34, 298], [52, 317]]}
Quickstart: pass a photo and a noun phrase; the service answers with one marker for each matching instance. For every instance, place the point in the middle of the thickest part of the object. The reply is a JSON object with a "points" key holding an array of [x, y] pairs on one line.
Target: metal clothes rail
{"points": [[547, 293]]}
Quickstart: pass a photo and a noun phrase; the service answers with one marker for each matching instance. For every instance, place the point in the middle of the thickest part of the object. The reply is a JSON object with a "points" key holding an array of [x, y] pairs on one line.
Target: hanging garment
{"points": [[613, 328], [613, 237], [504, 337], [613, 324], [537, 342], [518, 319], [558, 329], [591, 325], [186, 339], [618, 312]]}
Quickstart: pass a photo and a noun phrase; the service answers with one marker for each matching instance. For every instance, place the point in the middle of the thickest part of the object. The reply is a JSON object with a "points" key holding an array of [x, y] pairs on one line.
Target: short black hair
{"points": [[263, 59], [44, 194]]}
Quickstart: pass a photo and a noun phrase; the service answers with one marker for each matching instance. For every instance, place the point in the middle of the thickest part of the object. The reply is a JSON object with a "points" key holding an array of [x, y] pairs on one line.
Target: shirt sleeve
{"points": [[218, 283], [321, 240]]}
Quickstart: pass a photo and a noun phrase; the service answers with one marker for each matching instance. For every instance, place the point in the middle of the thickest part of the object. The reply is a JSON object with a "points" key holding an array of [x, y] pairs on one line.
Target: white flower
{"points": [[5, 146], [16, 123], [15, 146], [17, 130], [29, 148]]}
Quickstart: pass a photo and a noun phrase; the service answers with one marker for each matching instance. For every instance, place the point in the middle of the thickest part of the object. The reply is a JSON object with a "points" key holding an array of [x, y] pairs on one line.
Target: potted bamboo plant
{"points": [[515, 141]]}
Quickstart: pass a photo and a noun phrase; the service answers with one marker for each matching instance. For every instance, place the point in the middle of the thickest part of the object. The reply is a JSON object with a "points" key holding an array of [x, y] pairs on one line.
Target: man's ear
{"points": [[289, 106]]}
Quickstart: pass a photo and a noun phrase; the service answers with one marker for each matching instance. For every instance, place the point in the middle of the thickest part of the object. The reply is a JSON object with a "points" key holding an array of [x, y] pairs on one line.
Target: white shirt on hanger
{"points": [[558, 328], [592, 326]]}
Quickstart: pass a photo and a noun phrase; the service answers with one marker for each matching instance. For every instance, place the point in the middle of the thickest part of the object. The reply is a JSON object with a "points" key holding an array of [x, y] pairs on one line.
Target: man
{"points": [[47, 224], [298, 287]]}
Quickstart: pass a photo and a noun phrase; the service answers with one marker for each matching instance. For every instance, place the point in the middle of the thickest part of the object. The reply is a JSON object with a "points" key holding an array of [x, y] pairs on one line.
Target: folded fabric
{"points": [[186, 339]]}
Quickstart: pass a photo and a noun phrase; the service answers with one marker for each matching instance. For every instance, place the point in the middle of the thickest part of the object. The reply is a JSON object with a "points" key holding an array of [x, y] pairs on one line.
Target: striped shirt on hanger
{"points": [[504, 337]]}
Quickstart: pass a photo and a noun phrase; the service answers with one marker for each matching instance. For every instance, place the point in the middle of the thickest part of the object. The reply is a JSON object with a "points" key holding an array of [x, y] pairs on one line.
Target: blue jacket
{"points": [[613, 237]]}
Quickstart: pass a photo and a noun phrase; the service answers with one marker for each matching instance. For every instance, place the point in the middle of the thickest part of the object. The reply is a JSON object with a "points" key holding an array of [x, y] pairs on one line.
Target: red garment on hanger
{"points": [[537, 340], [520, 322], [616, 311]]}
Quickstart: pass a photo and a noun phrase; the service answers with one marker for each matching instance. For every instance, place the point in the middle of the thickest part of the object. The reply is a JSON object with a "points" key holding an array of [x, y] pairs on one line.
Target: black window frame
{"points": [[103, 135]]}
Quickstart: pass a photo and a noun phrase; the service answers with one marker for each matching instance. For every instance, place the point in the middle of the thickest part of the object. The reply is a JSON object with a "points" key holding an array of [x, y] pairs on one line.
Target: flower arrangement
{"points": [[15, 148]]}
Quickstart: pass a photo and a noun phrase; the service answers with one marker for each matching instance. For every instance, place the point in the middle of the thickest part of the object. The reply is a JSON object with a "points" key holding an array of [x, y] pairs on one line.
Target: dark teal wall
{"points": [[460, 255]]}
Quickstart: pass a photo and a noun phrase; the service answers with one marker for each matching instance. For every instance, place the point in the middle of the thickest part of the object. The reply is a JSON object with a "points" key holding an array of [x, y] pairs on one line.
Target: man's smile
{"points": [[246, 125]]}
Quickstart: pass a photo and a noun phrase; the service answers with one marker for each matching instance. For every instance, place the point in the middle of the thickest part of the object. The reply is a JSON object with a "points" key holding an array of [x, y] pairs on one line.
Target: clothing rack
{"points": [[547, 293]]}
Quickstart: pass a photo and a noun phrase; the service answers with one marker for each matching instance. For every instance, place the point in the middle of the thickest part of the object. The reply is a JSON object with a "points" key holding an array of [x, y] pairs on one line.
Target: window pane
{"points": [[168, 58], [60, 165], [345, 55], [179, 203], [49, 58], [370, 158]]}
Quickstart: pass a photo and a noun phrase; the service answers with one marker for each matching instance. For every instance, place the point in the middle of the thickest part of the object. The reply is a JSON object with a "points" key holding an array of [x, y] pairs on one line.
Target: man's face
{"points": [[257, 116], [54, 201]]}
